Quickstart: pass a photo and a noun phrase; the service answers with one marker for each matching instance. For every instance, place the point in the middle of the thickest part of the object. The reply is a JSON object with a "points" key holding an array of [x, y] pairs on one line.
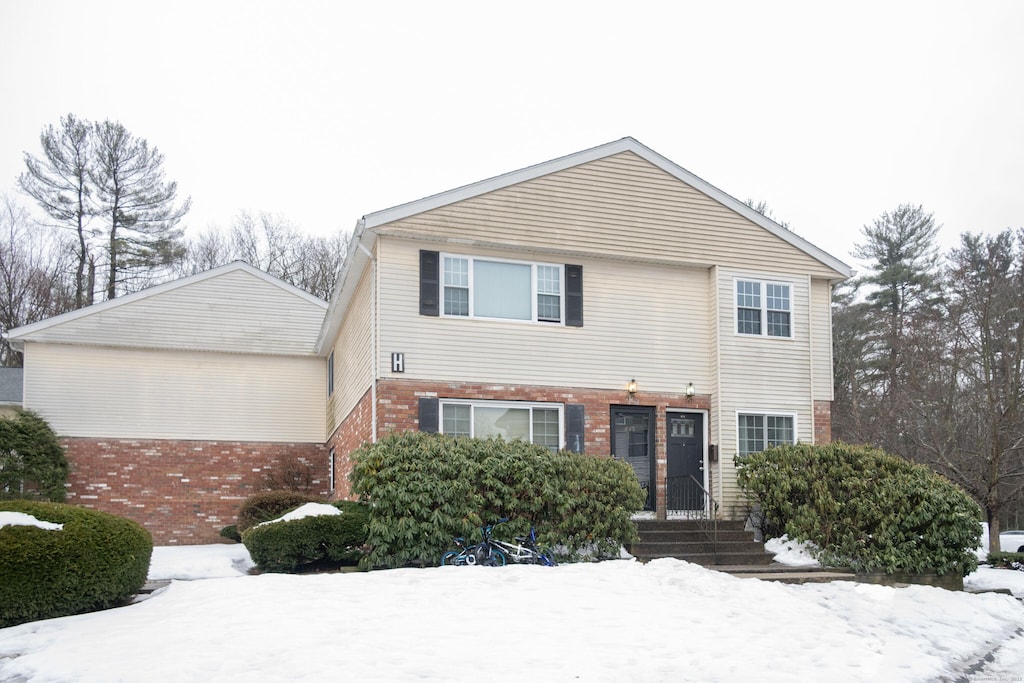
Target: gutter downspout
{"points": [[373, 341]]}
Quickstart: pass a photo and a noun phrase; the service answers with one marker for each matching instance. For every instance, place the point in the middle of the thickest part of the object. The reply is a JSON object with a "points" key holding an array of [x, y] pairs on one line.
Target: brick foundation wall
{"points": [[355, 430], [183, 492], [822, 422]]}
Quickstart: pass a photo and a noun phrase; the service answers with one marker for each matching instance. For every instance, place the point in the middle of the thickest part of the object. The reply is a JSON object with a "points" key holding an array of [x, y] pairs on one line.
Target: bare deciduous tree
{"points": [[59, 182], [32, 281], [272, 244]]}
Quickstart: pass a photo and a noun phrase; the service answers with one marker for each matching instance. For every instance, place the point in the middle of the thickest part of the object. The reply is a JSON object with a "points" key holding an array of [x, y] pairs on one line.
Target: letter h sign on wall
{"points": [[397, 362]]}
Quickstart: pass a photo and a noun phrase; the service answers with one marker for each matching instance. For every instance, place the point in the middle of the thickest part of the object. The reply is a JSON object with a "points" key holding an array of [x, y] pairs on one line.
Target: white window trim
{"points": [[533, 289], [504, 404], [764, 282], [766, 413]]}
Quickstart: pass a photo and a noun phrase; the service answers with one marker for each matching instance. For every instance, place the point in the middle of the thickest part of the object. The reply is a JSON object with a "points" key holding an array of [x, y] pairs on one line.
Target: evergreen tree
{"points": [[904, 300], [32, 462], [141, 233]]}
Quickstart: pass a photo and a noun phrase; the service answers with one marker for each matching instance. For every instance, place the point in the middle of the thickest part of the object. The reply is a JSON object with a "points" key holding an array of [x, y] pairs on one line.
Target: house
{"points": [[608, 302], [174, 402]]}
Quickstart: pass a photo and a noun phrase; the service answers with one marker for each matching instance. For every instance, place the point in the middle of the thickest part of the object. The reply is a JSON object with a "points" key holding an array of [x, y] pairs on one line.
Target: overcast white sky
{"points": [[324, 111]]}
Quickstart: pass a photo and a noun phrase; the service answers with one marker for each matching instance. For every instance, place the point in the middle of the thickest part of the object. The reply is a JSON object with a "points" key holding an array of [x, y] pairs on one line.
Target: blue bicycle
{"points": [[491, 552]]}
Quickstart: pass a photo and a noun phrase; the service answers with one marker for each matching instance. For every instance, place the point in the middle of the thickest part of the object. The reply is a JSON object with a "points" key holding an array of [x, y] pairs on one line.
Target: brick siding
{"points": [[822, 422], [183, 492], [398, 410]]}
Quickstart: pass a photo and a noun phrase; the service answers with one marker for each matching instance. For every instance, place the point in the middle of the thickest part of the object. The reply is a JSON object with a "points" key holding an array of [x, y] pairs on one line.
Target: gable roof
{"points": [[364, 236], [99, 323], [626, 144]]}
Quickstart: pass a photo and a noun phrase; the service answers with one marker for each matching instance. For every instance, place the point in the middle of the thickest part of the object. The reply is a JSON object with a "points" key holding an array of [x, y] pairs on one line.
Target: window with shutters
{"points": [[539, 423], [458, 286]]}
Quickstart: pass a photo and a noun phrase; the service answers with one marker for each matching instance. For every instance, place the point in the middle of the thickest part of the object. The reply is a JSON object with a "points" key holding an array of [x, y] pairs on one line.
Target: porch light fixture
{"points": [[631, 388], [689, 390]]}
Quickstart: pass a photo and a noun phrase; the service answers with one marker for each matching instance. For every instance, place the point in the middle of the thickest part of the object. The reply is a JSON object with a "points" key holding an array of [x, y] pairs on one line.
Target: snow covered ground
{"points": [[612, 621]]}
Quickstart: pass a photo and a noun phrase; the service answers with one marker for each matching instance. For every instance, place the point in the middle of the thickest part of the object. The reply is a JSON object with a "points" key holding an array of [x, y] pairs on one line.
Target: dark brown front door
{"points": [[633, 441]]}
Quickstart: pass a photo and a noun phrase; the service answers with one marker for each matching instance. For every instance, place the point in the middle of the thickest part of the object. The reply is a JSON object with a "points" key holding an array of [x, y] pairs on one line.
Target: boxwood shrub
{"points": [[423, 489], [864, 508], [96, 561], [263, 507], [321, 542]]}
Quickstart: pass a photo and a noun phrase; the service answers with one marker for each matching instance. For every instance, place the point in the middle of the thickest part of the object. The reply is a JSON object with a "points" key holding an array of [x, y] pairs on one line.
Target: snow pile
{"points": [[190, 562], [666, 620], [8, 518], [303, 511], [791, 553]]}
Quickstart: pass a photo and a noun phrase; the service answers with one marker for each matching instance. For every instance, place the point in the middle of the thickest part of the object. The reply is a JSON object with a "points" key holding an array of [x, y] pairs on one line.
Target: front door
{"points": [[685, 461], [633, 441]]}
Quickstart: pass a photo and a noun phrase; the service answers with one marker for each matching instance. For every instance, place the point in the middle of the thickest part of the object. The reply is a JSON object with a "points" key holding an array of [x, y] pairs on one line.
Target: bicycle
{"points": [[491, 552], [482, 554]]}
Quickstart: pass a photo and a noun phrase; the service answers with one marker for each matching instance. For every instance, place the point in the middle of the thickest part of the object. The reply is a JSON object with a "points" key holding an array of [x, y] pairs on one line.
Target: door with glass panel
{"points": [[685, 461], [633, 441]]}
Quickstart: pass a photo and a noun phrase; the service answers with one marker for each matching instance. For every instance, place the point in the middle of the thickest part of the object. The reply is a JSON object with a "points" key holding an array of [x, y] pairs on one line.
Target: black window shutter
{"points": [[430, 269], [574, 427], [574, 296], [429, 415]]}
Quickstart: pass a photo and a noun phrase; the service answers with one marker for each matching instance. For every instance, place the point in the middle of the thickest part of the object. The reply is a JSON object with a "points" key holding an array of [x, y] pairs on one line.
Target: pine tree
{"points": [[141, 233]]}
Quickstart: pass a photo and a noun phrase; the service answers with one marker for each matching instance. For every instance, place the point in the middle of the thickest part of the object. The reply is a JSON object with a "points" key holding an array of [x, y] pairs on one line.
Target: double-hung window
{"points": [[510, 290], [758, 431], [764, 308], [539, 423]]}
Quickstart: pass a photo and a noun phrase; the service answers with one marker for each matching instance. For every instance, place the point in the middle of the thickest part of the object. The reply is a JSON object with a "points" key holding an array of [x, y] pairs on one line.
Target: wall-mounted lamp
{"points": [[631, 388], [689, 390]]}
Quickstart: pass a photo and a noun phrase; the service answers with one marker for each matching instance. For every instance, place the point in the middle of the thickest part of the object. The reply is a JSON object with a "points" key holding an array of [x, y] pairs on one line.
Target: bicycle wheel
{"points": [[495, 558], [547, 558], [450, 558]]}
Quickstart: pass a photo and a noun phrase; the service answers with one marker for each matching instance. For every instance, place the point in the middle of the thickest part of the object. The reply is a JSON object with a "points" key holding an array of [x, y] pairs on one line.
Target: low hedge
{"points": [[864, 508], [263, 507], [424, 489], [96, 561], [320, 542], [1006, 560]]}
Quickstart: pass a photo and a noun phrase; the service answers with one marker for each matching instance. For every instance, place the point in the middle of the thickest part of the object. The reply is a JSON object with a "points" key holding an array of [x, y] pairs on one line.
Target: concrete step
{"points": [[781, 573]]}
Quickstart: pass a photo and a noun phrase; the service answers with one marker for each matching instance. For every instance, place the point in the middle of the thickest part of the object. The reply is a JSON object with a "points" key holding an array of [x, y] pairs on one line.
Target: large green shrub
{"points": [[263, 507], [864, 508], [32, 462], [323, 541], [96, 561], [423, 489]]}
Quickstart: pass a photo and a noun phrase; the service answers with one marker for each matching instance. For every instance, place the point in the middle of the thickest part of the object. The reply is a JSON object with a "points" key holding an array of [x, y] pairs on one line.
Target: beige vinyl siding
{"points": [[353, 359], [619, 206], [821, 339], [234, 312], [640, 321], [762, 374], [163, 394]]}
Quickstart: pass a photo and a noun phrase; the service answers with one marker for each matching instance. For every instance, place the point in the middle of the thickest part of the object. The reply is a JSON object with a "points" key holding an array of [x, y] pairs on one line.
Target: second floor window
{"points": [[763, 308], [510, 290]]}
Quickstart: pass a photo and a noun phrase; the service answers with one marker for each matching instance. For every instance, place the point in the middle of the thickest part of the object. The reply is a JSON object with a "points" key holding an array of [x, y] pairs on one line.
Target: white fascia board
{"points": [[18, 334], [352, 269]]}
